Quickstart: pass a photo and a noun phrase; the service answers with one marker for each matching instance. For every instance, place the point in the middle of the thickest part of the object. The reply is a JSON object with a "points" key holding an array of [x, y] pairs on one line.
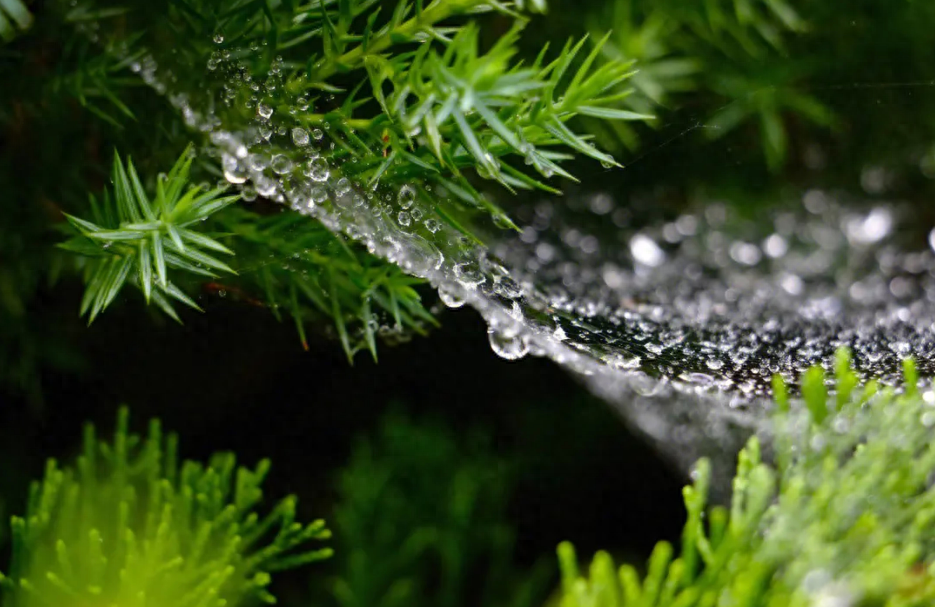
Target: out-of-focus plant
{"points": [[842, 517], [14, 17], [734, 49], [420, 520]]}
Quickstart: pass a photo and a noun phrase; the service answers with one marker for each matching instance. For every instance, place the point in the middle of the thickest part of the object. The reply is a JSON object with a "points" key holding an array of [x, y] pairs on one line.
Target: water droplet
{"points": [[870, 229], [299, 136], [699, 379], [646, 251], [281, 164], [450, 295], [319, 194], [248, 193], [507, 344], [469, 275], [342, 187], [317, 169], [258, 162], [234, 171], [404, 219], [264, 111], [507, 287], [775, 246], [618, 361], [406, 197], [219, 38], [265, 186], [928, 419]]}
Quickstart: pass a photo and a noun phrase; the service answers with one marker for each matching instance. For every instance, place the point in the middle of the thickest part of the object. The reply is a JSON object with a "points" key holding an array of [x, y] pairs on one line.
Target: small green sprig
{"points": [[129, 525], [137, 239], [844, 517]]}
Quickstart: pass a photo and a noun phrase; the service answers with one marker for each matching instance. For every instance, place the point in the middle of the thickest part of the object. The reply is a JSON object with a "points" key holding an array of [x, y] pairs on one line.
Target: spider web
{"points": [[679, 317]]}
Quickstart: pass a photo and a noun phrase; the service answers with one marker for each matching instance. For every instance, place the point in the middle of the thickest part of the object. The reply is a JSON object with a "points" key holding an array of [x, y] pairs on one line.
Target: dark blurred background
{"points": [[235, 379]]}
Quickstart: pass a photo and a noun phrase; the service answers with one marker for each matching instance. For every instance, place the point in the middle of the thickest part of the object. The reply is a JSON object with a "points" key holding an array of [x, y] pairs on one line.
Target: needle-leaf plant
{"points": [[841, 514], [414, 99], [129, 524], [133, 238]]}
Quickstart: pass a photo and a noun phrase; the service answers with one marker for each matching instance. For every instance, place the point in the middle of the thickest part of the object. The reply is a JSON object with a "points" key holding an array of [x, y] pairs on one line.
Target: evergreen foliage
{"points": [[412, 99], [843, 516], [421, 517], [774, 71], [676, 43], [130, 525], [133, 238]]}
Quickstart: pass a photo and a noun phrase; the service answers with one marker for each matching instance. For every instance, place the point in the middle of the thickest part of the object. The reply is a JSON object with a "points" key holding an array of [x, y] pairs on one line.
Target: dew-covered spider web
{"points": [[679, 317]]}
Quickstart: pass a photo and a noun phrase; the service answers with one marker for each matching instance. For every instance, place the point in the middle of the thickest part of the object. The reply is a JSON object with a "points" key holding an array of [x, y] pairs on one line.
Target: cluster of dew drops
{"points": [[682, 297], [712, 300], [287, 162], [280, 158]]}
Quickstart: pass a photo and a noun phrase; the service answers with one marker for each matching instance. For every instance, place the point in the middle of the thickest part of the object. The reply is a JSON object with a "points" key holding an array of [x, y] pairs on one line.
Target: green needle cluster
{"points": [[130, 526]]}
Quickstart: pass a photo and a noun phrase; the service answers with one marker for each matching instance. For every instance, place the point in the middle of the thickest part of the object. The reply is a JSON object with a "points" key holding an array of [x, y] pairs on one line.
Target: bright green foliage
{"points": [[129, 525], [409, 94], [404, 88], [451, 107], [421, 518], [844, 516], [315, 273], [135, 239]]}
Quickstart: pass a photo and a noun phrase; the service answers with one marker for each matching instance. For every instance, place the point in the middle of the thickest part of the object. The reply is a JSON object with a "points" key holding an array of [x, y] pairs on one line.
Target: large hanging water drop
{"points": [[507, 344], [234, 171], [451, 296]]}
